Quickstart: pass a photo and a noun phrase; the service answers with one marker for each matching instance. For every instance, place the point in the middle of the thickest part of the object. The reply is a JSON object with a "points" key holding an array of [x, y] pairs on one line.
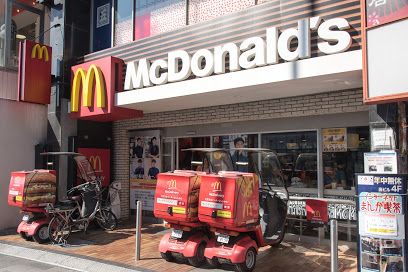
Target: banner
{"points": [[100, 161], [334, 139]]}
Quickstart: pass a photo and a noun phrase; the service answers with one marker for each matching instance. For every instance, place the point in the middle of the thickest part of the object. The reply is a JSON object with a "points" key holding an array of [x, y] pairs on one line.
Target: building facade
{"points": [[283, 75]]}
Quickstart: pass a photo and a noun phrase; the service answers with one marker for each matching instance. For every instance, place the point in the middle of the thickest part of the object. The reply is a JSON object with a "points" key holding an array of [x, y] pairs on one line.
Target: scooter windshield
{"points": [[266, 165], [85, 170]]}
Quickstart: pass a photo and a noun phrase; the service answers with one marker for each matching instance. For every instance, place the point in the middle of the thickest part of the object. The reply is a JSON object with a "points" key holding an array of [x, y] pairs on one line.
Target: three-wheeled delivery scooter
{"points": [[32, 191]]}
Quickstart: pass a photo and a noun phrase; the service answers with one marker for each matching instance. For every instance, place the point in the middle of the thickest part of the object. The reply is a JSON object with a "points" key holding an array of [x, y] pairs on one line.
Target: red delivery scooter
{"points": [[245, 211]]}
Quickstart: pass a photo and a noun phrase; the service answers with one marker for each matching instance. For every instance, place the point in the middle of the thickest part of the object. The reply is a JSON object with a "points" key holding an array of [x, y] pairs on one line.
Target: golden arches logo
{"points": [[172, 184], [96, 163], [316, 213], [41, 51], [247, 211], [216, 186], [86, 79]]}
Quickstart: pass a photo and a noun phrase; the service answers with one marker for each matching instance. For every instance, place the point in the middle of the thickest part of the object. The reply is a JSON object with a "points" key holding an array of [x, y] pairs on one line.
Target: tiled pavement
{"points": [[117, 248]]}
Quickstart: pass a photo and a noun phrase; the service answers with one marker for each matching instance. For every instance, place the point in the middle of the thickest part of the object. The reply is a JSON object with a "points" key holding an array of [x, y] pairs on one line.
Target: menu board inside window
{"points": [[384, 11]]}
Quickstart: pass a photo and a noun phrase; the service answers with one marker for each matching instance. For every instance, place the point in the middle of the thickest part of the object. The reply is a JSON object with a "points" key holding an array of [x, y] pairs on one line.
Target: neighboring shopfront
{"points": [[287, 77]]}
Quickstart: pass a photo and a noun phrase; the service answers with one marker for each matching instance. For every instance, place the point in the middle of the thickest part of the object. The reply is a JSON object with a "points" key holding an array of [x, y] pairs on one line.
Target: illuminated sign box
{"points": [[34, 72], [93, 88]]}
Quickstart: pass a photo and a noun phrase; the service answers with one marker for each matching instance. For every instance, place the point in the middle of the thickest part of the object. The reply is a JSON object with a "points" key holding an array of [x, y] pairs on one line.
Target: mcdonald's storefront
{"points": [[258, 77]]}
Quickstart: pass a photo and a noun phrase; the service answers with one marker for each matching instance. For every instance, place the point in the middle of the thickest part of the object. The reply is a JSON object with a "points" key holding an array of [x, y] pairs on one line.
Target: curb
{"points": [[62, 260]]}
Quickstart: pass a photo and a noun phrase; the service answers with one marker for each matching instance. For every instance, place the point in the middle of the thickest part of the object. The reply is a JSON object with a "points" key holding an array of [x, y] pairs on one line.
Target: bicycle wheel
{"points": [[106, 219], [58, 230]]}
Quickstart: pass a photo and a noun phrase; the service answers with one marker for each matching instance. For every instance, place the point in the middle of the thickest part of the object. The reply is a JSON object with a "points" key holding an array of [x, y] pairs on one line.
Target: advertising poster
{"points": [[380, 162], [382, 208], [99, 158], [145, 164], [384, 11], [382, 138], [334, 139]]}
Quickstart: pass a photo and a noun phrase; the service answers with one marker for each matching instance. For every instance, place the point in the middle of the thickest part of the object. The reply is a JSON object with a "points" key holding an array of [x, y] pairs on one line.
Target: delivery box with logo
{"points": [[29, 189], [229, 200], [176, 196]]}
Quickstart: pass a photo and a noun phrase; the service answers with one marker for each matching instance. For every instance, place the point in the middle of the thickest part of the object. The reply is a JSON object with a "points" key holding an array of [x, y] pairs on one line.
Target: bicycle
{"points": [[72, 213]]}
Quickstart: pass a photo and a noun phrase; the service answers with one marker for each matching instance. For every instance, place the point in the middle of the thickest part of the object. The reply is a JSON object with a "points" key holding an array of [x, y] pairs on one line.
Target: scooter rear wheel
{"points": [[214, 263], [25, 236], [199, 258], [41, 236], [250, 261], [167, 256]]}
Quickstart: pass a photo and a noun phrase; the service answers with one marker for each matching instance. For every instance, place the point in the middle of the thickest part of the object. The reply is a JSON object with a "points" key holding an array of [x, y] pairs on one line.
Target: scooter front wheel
{"points": [[58, 230], [250, 261]]}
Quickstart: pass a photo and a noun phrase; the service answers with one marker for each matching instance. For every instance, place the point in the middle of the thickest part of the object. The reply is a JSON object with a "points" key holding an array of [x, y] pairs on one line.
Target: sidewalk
{"points": [[114, 251]]}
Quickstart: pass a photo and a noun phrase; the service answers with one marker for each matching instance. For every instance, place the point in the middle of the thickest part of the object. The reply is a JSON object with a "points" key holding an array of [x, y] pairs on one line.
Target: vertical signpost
{"points": [[382, 208]]}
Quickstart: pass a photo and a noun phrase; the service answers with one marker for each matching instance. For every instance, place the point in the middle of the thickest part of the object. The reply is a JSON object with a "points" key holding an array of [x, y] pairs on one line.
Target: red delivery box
{"points": [[176, 196], [32, 188], [229, 200]]}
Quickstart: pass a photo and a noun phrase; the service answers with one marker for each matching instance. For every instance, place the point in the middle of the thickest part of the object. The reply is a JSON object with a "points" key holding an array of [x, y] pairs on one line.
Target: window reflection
{"points": [[123, 22]]}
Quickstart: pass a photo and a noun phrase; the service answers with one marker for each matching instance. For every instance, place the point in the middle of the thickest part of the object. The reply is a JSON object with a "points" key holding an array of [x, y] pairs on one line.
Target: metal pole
{"points": [[334, 245], [138, 229]]}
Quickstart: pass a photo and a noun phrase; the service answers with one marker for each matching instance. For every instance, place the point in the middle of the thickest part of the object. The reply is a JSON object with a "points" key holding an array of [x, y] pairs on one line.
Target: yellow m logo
{"points": [[247, 209], [216, 186], [41, 51], [316, 213], [87, 79], [172, 184], [96, 161]]}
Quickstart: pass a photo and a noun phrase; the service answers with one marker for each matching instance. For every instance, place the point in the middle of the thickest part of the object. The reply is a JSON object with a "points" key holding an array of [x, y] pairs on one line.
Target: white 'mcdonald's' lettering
{"points": [[252, 52]]}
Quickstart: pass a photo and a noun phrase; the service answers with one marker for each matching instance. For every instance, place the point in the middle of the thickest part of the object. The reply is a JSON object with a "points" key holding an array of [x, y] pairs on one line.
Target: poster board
{"points": [[381, 222], [144, 165], [334, 139]]}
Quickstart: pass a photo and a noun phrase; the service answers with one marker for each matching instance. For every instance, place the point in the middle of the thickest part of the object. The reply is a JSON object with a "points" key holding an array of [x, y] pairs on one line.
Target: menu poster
{"points": [[384, 11], [334, 139]]}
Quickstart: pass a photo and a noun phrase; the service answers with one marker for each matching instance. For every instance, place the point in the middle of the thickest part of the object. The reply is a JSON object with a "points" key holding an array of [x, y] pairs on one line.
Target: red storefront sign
{"points": [[317, 210], [34, 72], [94, 85], [100, 161]]}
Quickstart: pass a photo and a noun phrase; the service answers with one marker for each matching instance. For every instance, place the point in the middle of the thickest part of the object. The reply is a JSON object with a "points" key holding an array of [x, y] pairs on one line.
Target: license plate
{"points": [[221, 238], [175, 233], [26, 217]]}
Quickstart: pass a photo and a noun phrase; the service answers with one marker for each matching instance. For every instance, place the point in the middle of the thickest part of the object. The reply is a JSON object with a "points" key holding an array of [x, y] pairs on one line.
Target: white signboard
{"points": [[382, 224], [384, 162], [382, 138], [144, 195]]}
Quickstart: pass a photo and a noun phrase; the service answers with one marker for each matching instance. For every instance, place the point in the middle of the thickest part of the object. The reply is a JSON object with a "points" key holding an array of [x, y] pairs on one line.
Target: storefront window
{"points": [[123, 22], [205, 10], [297, 153], [154, 17], [2, 33], [340, 166]]}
